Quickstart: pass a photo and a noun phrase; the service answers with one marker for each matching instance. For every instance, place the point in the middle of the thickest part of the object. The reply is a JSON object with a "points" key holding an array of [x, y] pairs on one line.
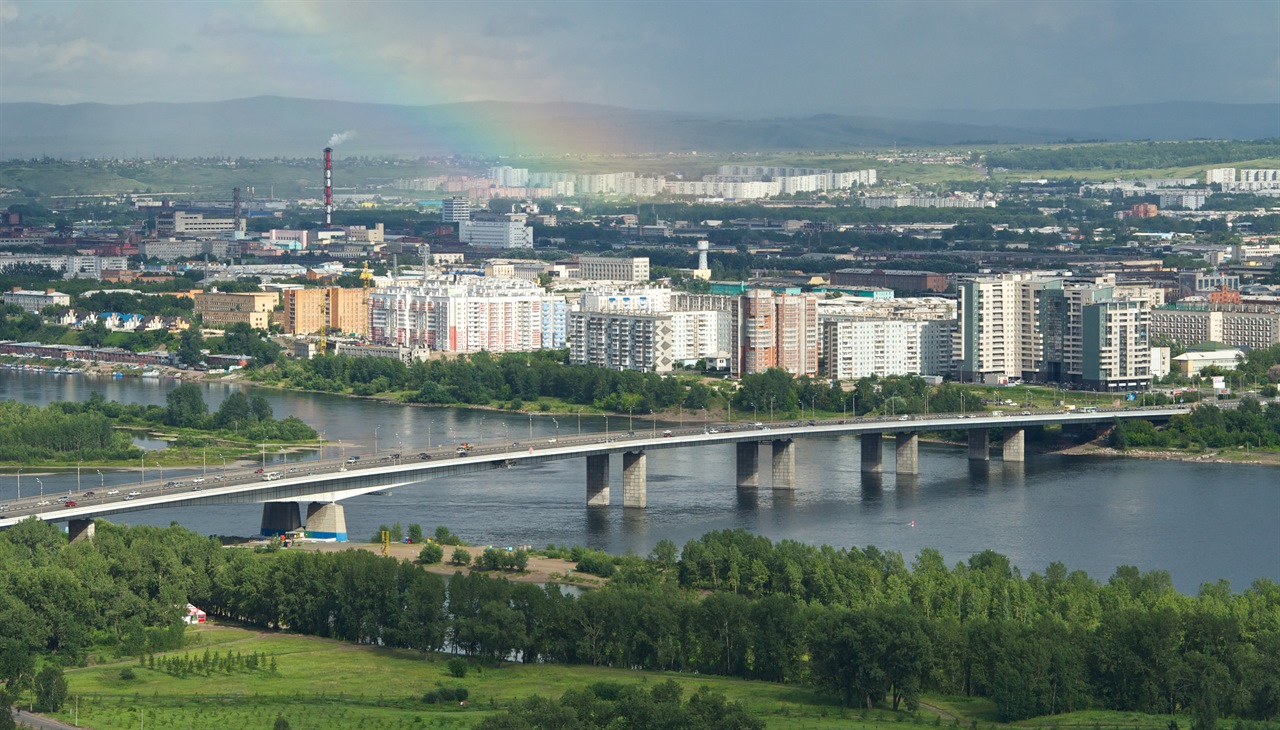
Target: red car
{"points": [[258, 471], [71, 503]]}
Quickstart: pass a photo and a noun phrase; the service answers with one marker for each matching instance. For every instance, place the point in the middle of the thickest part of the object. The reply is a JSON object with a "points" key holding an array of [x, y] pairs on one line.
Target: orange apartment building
{"points": [[775, 331], [348, 311]]}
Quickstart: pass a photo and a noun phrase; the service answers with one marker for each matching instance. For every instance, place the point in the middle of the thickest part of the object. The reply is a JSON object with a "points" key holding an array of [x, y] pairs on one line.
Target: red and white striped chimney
{"points": [[328, 187]]}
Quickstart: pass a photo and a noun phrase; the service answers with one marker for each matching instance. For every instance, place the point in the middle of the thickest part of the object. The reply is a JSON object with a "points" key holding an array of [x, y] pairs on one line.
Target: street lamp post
{"points": [[606, 426], [144, 467], [78, 463], [264, 454], [770, 408], [41, 505], [224, 464], [630, 420], [204, 462], [579, 421], [375, 438], [557, 425], [19, 482], [429, 433], [531, 425]]}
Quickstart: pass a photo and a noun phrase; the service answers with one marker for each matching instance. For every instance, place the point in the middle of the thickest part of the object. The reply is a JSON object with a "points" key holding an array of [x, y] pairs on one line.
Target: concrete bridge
{"points": [[324, 483]]}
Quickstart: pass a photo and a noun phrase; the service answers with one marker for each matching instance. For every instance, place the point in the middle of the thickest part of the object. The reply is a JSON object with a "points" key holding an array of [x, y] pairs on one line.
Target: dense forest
{"points": [[1134, 155], [858, 624], [1249, 425]]}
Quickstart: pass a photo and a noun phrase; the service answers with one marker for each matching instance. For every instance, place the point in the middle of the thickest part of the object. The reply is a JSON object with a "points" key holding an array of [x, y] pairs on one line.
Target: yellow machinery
{"points": [[386, 544]]}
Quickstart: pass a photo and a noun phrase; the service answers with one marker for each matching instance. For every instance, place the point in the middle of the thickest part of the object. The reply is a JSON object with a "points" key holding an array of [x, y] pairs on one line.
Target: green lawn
{"points": [[327, 684]]}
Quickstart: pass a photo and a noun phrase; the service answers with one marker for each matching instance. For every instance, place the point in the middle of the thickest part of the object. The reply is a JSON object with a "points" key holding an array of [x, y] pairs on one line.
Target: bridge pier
{"points": [[907, 453], [78, 530], [598, 480], [635, 473], [748, 464], [327, 521], [784, 464], [979, 445], [872, 453], [1015, 440], [279, 518]]}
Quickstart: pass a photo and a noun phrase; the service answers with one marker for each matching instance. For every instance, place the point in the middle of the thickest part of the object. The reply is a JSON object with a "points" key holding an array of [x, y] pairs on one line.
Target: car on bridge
{"points": [[71, 503], [112, 492], [350, 460], [424, 456]]}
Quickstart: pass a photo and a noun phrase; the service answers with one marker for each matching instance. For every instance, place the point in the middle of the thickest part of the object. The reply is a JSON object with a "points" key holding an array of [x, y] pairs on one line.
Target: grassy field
{"points": [[321, 685], [327, 684]]}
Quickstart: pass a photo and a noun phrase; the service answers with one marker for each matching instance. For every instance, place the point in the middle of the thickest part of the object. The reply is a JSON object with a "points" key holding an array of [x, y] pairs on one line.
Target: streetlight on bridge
{"points": [[557, 424]]}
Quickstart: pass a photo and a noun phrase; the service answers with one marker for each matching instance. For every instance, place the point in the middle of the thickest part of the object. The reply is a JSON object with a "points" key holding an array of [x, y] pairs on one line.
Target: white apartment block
{"points": [[621, 341], [455, 210], [509, 177], [510, 231], [829, 179], [857, 348], [494, 315], [72, 267], [649, 300], [34, 301], [735, 190], [1236, 325], [609, 268], [1220, 175]]}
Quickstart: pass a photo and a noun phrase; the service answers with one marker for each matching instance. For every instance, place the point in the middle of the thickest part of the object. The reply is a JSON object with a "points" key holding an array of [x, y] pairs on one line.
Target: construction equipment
{"points": [[386, 544], [366, 275]]}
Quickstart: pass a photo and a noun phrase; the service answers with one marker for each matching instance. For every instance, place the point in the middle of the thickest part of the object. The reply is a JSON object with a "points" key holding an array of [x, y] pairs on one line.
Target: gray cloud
{"points": [[704, 57]]}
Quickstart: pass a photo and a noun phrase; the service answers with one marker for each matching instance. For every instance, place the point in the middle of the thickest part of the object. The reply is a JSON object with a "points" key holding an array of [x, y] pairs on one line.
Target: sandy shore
{"points": [[541, 570]]}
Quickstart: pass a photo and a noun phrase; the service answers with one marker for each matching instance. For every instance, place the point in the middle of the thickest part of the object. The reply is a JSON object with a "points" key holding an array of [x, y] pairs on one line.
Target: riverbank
{"points": [[540, 569], [1210, 456]]}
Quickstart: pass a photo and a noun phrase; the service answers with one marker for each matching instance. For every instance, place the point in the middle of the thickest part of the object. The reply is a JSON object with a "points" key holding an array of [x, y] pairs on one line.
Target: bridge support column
{"points": [[1015, 440], [979, 445], [784, 464], [327, 521], [635, 474], [872, 453], [78, 530], [908, 453], [598, 480], [748, 464], [279, 518]]}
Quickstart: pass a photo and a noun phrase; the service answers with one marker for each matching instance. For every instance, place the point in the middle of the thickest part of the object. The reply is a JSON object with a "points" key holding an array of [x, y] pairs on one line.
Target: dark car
{"points": [[88, 494], [424, 456]]}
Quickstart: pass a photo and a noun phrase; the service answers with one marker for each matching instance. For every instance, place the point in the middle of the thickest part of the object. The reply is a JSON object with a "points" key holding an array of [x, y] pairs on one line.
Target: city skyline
{"points": [[705, 57]]}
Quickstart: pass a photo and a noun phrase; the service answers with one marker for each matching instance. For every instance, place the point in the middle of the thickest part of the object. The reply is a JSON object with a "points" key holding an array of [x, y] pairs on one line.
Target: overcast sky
{"points": [[708, 56]]}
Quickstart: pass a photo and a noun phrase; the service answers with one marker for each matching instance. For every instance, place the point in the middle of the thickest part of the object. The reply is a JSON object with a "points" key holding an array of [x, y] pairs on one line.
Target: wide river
{"points": [[1200, 522]]}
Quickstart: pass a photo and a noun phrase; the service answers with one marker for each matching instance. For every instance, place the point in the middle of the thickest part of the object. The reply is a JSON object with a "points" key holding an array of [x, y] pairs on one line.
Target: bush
{"points": [[596, 562], [445, 537], [430, 554], [445, 694], [460, 557], [457, 667], [127, 674]]}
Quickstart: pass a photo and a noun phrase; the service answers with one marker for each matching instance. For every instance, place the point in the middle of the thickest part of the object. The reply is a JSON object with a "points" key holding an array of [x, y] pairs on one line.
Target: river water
{"points": [[1200, 522]]}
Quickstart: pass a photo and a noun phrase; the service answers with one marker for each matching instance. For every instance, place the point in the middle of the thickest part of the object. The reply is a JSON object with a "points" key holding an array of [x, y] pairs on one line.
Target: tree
{"points": [[460, 557], [415, 532], [94, 334], [186, 406], [281, 723], [397, 532], [190, 346], [51, 689]]}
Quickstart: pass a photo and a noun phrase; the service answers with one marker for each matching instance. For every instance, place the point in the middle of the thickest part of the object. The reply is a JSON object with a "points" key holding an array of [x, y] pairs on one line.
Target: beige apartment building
{"points": [[348, 311], [218, 309], [608, 268]]}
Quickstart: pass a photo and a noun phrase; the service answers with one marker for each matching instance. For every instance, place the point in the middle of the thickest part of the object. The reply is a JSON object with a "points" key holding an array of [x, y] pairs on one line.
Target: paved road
{"points": [[28, 719]]}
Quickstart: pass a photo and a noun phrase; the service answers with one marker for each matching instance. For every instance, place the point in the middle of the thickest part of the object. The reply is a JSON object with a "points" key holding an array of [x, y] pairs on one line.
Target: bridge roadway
{"points": [[327, 481]]}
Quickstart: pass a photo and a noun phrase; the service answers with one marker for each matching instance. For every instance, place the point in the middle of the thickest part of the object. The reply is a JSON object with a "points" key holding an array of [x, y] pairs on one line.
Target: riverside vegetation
{"points": [[858, 627], [97, 430]]}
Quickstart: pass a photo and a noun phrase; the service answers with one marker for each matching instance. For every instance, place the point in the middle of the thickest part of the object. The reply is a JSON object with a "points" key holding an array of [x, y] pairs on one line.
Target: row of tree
{"points": [[1248, 425], [1134, 155], [858, 624]]}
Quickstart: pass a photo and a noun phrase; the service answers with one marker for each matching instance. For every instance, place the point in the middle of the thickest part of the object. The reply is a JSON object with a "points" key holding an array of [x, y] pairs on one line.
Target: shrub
{"points": [[460, 557], [127, 674], [457, 667], [430, 554]]}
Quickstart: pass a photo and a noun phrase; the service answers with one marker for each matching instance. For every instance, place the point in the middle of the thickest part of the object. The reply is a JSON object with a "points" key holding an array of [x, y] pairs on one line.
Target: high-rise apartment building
{"points": [[772, 330], [859, 347], [455, 210], [1051, 329], [494, 315], [501, 230]]}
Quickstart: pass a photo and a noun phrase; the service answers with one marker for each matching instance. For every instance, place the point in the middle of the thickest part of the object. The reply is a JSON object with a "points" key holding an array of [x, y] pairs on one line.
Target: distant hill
{"points": [[263, 127]]}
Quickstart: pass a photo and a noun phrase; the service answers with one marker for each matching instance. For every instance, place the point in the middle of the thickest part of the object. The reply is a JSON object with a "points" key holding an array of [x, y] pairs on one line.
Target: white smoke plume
{"points": [[341, 137]]}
